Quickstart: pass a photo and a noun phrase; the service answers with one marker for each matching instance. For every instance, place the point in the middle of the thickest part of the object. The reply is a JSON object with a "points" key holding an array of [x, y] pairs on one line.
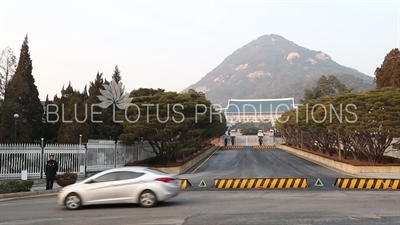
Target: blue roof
{"points": [[279, 105]]}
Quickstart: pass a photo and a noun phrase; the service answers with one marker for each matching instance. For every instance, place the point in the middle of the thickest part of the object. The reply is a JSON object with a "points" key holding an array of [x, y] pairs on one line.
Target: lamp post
{"points": [[339, 148], [138, 147], [16, 116], [41, 157]]}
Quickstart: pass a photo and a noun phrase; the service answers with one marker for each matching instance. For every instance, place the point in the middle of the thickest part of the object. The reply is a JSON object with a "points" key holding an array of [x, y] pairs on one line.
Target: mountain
{"points": [[273, 67]]}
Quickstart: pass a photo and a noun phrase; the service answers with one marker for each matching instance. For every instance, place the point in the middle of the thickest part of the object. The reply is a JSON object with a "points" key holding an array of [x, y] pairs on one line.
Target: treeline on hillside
{"points": [[363, 124]]}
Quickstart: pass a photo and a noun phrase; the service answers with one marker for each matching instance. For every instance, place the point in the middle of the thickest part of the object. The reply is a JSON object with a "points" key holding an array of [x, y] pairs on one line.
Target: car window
{"points": [[126, 175], [156, 171], [106, 177]]}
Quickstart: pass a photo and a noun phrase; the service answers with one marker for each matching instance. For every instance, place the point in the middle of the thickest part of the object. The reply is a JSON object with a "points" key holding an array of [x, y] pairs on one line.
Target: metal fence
{"points": [[96, 156], [15, 158], [391, 151], [102, 155]]}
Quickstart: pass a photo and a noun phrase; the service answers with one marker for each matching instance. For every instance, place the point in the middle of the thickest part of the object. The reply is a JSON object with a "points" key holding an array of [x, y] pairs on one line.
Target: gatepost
{"points": [[232, 138]]}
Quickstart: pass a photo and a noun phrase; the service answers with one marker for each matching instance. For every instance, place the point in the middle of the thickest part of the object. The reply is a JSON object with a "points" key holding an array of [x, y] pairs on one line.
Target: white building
{"points": [[257, 110]]}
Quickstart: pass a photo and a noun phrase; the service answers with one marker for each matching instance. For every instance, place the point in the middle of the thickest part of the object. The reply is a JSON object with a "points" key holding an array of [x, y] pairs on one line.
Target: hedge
{"points": [[12, 186]]}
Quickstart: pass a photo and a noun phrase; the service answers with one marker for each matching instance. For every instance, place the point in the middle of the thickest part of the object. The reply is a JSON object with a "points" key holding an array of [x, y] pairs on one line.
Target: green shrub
{"points": [[11, 186]]}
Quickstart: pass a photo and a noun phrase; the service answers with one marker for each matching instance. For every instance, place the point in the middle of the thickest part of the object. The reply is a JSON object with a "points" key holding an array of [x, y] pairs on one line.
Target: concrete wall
{"points": [[339, 165], [191, 163]]}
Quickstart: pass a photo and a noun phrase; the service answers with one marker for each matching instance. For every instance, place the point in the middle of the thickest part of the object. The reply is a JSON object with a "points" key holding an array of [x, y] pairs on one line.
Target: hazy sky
{"points": [[173, 44]]}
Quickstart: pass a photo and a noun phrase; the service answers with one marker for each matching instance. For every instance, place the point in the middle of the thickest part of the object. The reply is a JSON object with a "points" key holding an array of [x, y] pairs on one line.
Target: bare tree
{"points": [[8, 65]]}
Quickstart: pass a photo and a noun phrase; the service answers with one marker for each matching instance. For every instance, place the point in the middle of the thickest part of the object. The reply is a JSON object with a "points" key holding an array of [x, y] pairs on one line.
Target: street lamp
{"points": [[42, 157], [16, 116]]}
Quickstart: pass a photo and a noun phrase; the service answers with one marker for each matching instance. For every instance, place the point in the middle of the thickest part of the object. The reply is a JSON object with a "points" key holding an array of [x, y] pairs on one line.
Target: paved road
{"points": [[260, 163], [289, 207]]}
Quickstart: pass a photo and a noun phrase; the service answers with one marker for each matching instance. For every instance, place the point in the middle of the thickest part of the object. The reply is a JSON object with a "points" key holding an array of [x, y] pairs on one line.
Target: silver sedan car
{"points": [[135, 184]]}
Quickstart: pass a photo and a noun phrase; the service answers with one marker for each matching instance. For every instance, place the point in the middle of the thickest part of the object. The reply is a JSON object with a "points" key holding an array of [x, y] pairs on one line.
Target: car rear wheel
{"points": [[147, 199], [73, 201]]}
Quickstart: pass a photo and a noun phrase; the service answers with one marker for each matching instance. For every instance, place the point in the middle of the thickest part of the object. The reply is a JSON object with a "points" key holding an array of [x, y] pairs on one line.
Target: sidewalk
{"points": [[379, 175], [40, 184]]}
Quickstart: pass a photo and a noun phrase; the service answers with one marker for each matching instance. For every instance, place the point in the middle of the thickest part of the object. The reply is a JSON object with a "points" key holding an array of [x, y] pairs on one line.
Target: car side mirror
{"points": [[90, 181]]}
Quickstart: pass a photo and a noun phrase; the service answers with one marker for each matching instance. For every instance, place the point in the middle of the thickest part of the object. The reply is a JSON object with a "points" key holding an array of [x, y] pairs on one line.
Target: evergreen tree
{"points": [[388, 75], [325, 87], [75, 117], [108, 128], [92, 100], [51, 128], [117, 75], [22, 98]]}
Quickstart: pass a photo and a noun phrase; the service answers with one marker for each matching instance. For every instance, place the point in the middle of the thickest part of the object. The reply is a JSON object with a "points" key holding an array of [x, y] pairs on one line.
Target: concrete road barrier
{"points": [[264, 146], [260, 183], [367, 183], [232, 147], [185, 183]]}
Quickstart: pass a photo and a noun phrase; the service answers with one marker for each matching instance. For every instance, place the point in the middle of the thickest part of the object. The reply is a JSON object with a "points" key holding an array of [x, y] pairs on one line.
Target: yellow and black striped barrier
{"points": [[260, 183], [264, 146], [367, 183], [185, 183], [232, 147]]}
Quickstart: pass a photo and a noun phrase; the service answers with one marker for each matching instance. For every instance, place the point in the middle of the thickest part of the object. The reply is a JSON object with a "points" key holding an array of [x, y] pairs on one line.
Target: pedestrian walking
{"points": [[51, 170]]}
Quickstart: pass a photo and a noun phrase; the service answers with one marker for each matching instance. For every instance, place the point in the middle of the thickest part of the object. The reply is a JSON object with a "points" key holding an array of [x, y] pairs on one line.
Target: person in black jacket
{"points": [[51, 170]]}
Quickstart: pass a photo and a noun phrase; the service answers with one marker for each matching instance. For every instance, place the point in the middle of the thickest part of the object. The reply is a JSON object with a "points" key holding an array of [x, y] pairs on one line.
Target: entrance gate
{"points": [[246, 140]]}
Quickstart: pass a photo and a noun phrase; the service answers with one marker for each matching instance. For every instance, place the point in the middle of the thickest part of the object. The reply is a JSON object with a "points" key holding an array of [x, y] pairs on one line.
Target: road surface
{"points": [[260, 163], [267, 207]]}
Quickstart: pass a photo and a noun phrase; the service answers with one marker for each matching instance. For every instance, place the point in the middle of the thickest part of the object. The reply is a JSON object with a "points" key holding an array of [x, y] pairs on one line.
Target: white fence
{"points": [[247, 140], [15, 158], [392, 152], [102, 155], [96, 156]]}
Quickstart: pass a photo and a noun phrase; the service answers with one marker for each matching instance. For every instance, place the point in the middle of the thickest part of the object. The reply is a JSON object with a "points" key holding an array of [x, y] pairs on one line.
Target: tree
{"points": [[173, 124], [8, 65], [364, 123], [109, 128], [388, 75], [116, 75], [50, 128], [75, 116], [22, 97], [325, 87], [92, 101]]}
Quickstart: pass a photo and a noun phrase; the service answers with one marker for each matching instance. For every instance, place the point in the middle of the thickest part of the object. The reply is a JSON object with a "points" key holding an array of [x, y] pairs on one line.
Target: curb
{"points": [[337, 170], [11, 196], [192, 167]]}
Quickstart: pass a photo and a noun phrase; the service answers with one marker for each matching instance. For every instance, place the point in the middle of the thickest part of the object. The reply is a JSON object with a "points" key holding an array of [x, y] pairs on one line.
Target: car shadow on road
{"points": [[171, 203]]}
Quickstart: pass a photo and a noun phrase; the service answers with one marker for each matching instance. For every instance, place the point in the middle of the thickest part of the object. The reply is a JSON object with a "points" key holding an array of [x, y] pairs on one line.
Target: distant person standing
{"points": [[51, 172]]}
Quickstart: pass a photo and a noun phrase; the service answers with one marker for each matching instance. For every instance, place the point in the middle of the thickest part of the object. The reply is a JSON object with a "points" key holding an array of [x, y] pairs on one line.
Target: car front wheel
{"points": [[73, 201], [147, 199]]}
